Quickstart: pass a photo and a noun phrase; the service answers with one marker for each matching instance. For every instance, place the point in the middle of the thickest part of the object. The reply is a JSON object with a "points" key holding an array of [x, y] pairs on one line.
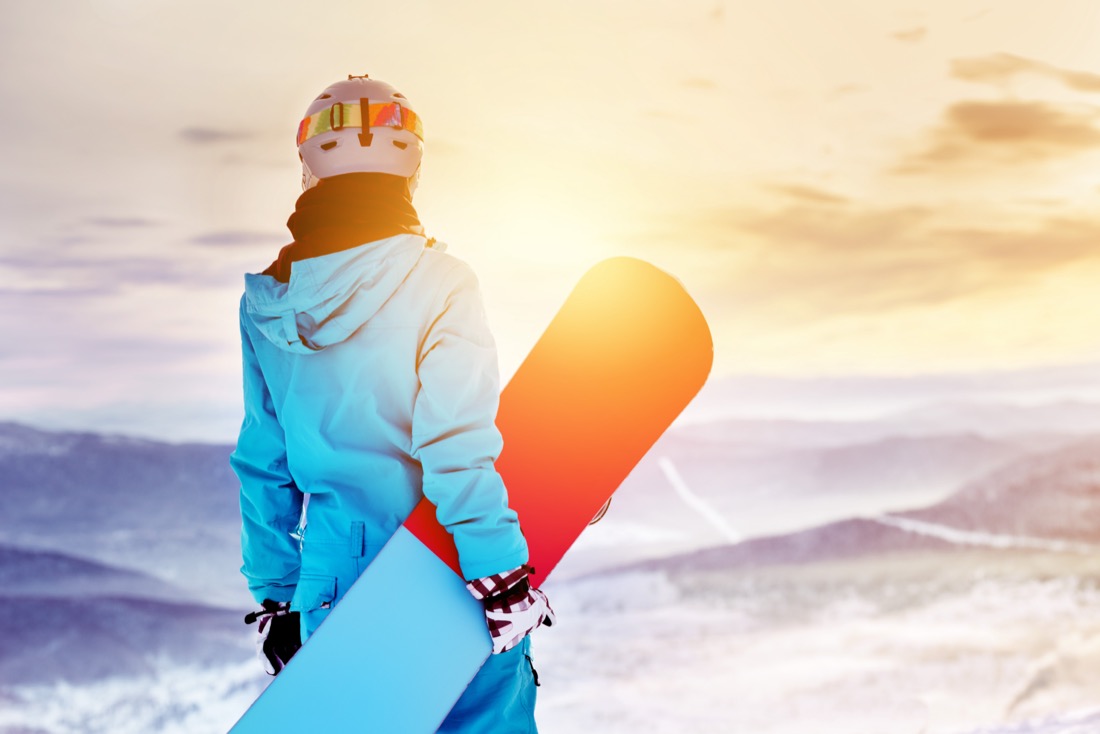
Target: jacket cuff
{"points": [[274, 593], [480, 568]]}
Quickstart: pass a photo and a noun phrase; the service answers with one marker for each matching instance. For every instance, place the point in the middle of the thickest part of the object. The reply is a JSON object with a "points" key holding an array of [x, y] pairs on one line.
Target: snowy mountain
{"points": [[1030, 423], [844, 539], [92, 638], [1055, 495], [766, 477], [169, 510], [725, 472], [776, 477], [1048, 501], [79, 621], [990, 419], [97, 480], [28, 573], [870, 397], [119, 569], [979, 614], [922, 641]]}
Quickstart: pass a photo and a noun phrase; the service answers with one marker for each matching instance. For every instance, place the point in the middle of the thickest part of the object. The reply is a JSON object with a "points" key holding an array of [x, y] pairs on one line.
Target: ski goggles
{"points": [[350, 114]]}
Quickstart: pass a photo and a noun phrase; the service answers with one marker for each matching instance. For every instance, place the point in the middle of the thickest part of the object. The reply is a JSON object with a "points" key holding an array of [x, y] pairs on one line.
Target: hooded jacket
{"points": [[370, 381]]}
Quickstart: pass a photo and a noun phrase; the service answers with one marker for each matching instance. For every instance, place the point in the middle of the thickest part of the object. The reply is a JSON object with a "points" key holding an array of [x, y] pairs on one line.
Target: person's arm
{"points": [[271, 504], [454, 435]]}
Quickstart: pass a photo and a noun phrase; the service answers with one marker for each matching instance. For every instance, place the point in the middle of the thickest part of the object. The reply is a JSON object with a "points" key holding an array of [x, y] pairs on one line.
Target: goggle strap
{"points": [[350, 114]]}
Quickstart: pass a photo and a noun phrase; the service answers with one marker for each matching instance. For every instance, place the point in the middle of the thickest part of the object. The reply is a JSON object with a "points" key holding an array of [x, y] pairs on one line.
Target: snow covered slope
{"points": [[1055, 495], [49, 574], [168, 510], [979, 612]]}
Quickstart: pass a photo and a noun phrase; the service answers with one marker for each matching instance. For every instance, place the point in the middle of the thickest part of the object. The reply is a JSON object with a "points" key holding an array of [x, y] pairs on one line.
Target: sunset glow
{"points": [[846, 187]]}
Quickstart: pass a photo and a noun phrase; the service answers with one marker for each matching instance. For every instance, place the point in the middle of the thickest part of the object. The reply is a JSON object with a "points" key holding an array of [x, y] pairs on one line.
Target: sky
{"points": [[848, 187]]}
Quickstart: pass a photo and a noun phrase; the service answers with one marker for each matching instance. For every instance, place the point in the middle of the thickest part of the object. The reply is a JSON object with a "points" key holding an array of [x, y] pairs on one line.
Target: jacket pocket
{"points": [[313, 599]]}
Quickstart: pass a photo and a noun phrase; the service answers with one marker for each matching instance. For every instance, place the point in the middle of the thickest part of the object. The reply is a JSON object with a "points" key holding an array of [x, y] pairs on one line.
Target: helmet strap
{"points": [[366, 136]]}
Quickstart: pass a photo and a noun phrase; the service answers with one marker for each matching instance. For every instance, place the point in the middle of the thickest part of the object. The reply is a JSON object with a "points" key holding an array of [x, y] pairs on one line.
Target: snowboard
{"points": [[621, 359]]}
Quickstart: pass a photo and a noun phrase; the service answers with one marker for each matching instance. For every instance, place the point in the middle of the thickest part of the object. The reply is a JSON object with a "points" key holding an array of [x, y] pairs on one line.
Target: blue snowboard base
{"points": [[380, 662]]}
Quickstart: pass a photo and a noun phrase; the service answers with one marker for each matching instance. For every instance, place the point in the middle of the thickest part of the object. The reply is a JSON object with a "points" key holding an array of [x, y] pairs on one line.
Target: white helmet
{"points": [[360, 125]]}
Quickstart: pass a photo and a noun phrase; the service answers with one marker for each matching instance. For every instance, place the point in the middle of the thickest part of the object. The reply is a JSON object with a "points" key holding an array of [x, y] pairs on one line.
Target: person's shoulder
{"points": [[446, 269]]}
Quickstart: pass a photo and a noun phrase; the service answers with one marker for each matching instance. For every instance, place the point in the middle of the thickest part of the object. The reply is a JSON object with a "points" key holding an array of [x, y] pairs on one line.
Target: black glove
{"points": [[279, 635]]}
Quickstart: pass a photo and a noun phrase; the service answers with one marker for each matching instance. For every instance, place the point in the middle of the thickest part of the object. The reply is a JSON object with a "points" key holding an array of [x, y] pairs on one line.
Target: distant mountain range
{"points": [[101, 483], [865, 397], [854, 538], [91, 638], [1055, 495], [1047, 501], [169, 510], [120, 556], [774, 477], [73, 620], [991, 420], [41, 574], [95, 531]]}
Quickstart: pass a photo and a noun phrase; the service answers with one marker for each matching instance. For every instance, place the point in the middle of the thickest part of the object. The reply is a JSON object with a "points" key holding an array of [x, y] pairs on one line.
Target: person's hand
{"points": [[512, 608], [278, 637]]}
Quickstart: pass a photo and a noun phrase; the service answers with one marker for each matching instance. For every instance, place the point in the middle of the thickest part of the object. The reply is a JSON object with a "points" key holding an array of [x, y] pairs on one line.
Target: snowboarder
{"points": [[370, 381]]}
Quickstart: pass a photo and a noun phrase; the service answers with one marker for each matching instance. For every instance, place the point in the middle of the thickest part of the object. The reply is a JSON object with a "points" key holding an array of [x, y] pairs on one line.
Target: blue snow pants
{"points": [[501, 697]]}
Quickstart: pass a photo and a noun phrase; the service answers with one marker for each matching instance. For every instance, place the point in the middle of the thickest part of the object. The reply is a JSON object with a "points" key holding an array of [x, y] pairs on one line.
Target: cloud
{"points": [[812, 228], [911, 35], [1005, 131], [78, 296], [74, 276], [69, 351], [809, 261], [1058, 242], [121, 222], [845, 89], [698, 82], [1026, 122], [1000, 69], [239, 238], [209, 136], [808, 193]]}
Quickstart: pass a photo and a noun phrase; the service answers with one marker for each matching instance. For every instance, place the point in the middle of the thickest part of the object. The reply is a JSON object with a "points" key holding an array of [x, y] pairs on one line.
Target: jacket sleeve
{"points": [[454, 434], [271, 504]]}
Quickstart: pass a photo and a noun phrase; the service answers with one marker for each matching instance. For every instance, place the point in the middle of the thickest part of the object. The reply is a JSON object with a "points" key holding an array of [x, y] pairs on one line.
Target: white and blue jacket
{"points": [[370, 381]]}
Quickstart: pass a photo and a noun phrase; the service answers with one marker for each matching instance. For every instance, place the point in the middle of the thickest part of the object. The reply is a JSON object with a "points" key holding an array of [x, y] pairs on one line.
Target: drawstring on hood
{"points": [[356, 238]]}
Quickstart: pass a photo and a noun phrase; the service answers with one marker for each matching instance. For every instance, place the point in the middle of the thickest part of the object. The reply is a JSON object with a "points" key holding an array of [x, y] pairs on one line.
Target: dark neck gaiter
{"points": [[343, 212]]}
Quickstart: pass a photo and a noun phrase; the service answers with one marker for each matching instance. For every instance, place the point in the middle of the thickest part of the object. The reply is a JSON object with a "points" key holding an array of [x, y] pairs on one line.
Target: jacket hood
{"points": [[329, 298]]}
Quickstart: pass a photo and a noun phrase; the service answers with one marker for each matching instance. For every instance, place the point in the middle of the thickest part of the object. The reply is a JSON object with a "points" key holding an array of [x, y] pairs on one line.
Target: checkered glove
{"points": [[278, 637], [512, 608]]}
